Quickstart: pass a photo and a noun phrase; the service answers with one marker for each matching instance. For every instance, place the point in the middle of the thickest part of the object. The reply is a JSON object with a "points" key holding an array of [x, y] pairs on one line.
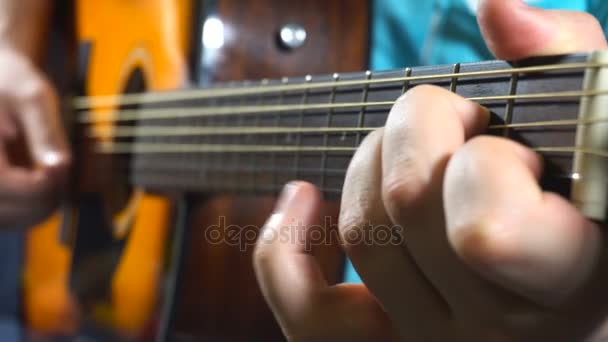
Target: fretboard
{"points": [[308, 128]]}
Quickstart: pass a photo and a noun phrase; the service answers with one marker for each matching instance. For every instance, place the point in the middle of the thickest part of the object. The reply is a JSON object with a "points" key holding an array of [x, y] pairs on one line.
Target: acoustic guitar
{"points": [[110, 256], [194, 171]]}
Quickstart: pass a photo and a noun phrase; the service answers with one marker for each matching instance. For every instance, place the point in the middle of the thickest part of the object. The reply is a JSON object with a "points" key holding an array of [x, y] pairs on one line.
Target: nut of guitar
{"points": [[589, 186]]}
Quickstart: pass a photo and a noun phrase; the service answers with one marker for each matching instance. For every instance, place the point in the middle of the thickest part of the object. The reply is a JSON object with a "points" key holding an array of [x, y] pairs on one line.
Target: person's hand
{"points": [[487, 255], [30, 126], [294, 281]]}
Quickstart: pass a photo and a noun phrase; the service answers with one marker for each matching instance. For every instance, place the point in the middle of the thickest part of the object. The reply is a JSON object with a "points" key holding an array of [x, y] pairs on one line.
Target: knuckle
{"points": [[350, 231], [401, 191], [484, 243], [261, 256]]}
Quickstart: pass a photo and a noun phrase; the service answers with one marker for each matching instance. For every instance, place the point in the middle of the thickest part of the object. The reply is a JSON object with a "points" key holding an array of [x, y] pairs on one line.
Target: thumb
{"points": [[513, 30], [292, 281]]}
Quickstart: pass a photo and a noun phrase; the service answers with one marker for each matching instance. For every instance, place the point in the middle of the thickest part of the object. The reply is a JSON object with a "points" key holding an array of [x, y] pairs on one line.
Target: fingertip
{"points": [[486, 145], [532, 160], [475, 117], [296, 192], [514, 30], [298, 206]]}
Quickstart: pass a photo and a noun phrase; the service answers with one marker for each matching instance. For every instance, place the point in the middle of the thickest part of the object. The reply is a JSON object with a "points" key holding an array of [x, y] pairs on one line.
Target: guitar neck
{"points": [[256, 136]]}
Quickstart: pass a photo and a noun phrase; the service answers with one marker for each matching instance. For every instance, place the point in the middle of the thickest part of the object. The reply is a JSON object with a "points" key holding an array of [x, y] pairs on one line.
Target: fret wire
{"points": [[361, 118], [214, 161], [233, 156], [137, 159], [256, 123], [453, 82], [406, 83], [240, 120], [201, 159], [130, 115], [180, 159], [510, 104], [84, 102], [221, 180], [328, 123], [308, 79], [277, 122]]}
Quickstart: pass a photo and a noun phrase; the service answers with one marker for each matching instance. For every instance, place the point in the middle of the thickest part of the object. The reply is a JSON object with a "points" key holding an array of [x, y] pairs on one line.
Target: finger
{"points": [[293, 283], [423, 129], [37, 110], [384, 264], [513, 30], [501, 222], [280, 255]]}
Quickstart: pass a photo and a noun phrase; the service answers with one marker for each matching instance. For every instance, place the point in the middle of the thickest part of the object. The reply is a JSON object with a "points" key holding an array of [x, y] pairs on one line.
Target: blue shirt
{"points": [[414, 32]]}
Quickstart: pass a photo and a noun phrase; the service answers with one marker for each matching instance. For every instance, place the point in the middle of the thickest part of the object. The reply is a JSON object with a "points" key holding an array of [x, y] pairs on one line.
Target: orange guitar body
{"points": [[151, 36]]}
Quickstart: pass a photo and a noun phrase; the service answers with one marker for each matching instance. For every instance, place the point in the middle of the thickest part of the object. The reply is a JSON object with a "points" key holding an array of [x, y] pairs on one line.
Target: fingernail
{"points": [[286, 196], [276, 218]]}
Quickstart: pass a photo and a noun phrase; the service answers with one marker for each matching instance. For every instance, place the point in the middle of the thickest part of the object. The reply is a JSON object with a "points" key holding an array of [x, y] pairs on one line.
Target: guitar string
{"points": [[172, 113], [90, 102], [158, 167], [177, 148], [183, 131]]}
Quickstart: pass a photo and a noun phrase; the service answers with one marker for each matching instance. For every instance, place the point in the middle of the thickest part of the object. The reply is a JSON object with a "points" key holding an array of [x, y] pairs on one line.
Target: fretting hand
{"points": [[487, 255]]}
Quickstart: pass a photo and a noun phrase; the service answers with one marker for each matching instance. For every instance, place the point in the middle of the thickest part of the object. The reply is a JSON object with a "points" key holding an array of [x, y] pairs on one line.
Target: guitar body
{"points": [[111, 270], [150, 38]]}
